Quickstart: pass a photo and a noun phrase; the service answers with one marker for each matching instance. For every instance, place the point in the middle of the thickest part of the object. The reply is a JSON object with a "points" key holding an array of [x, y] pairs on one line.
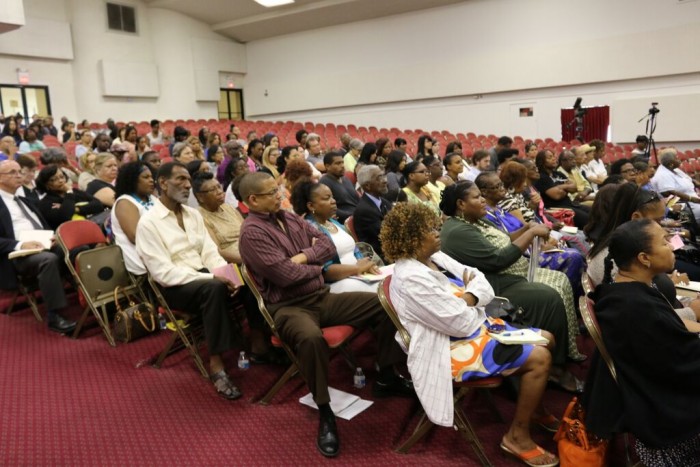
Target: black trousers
{"points": [[300, 321], [46, 267], [211, 299]]}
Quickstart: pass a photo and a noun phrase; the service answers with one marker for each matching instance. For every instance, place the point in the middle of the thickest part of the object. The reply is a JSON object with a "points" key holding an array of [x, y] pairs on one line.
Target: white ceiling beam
{"points": [[278, 13]]}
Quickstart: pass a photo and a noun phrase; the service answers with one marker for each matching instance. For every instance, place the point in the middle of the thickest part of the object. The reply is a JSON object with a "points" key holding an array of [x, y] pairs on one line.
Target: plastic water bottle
{"points": [[359, 379], [162, 322], [243, 362]]}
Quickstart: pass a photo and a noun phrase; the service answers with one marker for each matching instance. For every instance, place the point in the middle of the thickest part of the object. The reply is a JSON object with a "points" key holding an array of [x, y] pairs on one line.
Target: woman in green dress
{"points": [[471, 240], [417, 177]]}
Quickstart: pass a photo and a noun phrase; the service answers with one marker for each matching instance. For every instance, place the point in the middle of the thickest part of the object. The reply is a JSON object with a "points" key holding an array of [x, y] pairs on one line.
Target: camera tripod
{"points": [[651, 127]]}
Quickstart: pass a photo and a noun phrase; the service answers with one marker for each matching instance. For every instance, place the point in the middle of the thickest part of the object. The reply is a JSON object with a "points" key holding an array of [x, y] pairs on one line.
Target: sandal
{"points": [[547, 422], [224, 386], [527, 456], [572, 383]]}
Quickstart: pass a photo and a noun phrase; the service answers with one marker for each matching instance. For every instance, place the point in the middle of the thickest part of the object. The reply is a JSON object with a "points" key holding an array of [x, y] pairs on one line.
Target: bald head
{"points": [[10, 177], [253, 183]]}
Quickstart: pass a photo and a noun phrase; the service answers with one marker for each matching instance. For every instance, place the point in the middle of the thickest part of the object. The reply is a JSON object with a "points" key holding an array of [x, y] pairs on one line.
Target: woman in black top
{"points": [[554, 188], [102, 187], [657, 360], [60, 202]]}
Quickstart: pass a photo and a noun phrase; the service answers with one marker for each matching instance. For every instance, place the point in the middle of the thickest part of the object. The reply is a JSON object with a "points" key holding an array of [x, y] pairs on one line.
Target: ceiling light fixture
{"points": [[271, 3]]}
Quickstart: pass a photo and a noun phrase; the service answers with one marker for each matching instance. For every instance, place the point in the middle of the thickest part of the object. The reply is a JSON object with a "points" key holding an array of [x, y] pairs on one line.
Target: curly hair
{"points": [[302, 195], [128, 178], [513, 174], [296, 170], [404, 229]]}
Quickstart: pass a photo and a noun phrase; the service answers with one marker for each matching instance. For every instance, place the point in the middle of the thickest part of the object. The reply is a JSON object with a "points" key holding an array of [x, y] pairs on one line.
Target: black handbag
{"points": [[134, 322]]}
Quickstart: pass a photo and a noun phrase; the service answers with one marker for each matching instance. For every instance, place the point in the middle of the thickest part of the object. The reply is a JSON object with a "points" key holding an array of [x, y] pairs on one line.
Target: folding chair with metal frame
{"points": [[183, 324], [97, 271], [461, 421], [28, 290], [587, 307], [337, 338]]}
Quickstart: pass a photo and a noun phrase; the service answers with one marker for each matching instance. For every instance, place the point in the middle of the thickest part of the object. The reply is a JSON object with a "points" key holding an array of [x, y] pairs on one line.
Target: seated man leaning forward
{"points": [[285, 255], [451, 336], [180, 256]]}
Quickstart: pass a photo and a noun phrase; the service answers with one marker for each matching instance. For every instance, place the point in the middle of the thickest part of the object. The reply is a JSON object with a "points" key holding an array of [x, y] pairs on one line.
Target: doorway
{"points": [[25, 100], [231, 104]]}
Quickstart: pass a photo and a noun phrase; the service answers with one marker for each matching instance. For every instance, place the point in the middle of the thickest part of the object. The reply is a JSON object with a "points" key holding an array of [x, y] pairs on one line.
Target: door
{"points": [[231, 104], [25, 100]]}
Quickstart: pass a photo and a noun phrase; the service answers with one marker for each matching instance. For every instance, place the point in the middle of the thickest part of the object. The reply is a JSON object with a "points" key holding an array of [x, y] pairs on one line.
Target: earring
{"points": [[313, 211]]}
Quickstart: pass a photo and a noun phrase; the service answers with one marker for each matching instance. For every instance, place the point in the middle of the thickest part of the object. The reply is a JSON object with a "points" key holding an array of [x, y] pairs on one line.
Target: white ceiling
{"points": [[245, 20]]}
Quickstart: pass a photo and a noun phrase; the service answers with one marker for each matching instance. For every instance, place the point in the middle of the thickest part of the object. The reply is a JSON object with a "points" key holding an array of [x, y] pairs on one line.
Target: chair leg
{"points": [[465, 428], [167, 351], [12, 303], [488, 395], [423, 427], [349, 357], [291, 371], [81, 322]]}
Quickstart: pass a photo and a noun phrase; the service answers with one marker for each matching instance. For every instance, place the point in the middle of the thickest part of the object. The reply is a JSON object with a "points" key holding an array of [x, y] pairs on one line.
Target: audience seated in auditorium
{"points": [[213, 139], [314, 154], [657, 360], [11, 129], [645, 173], [223, 222], [450, 338], [202, 136], [453, 147], [531, 151], [395, 164], [287, 154], [180, 135], [236, 168], [285, 256], [57, 156], [631, 202], [315, 203], [552, 255], [401, 144], [68, 130], [595, 170], [195, 167], [17, 214], [87, 162], [31, 142], [417, 176], [569, 167], [269, 161], [101, 143], [624, 168], [296, 171], [547, 302], [373, 205], [60, 202], [342, 189], [554, 188], [436, 181], [102, 187], [454, 166], [669, 179], [49, 128], [345, 139], [155, 136], [182, 153], [215, 155], [196, 146], [28, 165], [504, 142], [181, 257], [142, 147], [8, 148], [84, 145], [254, 155], [505, 155], [352, 155], [232, 150], [152, 160], [481, 162], [424, 147], [134, 190], [641, 143], [368, 156], [384, 147]]}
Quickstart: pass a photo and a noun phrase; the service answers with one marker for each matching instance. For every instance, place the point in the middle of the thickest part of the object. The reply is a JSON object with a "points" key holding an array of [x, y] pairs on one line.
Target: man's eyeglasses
{"points": [[629, 171], [271, 193], [12, 173]]}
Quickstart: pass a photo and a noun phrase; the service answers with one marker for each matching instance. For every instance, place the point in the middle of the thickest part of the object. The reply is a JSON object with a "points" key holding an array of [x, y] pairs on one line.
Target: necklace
{"points": [[620, 273], [330, 226]]}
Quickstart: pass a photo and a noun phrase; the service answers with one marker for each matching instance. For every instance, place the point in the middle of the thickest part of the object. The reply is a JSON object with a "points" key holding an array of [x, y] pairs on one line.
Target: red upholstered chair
{"points": [[350, 226], [462, 423], [337, 338]]}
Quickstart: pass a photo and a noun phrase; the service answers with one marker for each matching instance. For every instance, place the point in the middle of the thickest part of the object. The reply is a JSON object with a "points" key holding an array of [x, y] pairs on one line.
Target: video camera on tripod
{"points": [[654, 110], [579, 111]]}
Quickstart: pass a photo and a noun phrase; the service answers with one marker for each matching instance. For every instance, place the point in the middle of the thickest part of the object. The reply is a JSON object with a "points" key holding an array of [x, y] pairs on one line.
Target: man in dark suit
{"points": [[372, 208], [344, 193], [17, 215]]}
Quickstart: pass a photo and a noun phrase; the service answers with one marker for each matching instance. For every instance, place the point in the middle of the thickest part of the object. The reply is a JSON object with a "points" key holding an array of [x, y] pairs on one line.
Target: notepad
{"points": [[370, 278], [521, 336], [230, 272], [569, 229], [42, 236], [692, 285]]}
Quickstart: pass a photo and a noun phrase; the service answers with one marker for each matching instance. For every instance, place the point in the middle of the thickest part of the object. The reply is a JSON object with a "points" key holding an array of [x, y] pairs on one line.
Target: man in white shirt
{"points": [[173, 242], [669, 179], [155, 136], [594, 169], [481, 162], [17, 214]]}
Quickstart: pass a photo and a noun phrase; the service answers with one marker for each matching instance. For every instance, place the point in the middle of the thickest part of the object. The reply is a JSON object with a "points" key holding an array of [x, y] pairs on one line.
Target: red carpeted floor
{"points": [[67, 402]]}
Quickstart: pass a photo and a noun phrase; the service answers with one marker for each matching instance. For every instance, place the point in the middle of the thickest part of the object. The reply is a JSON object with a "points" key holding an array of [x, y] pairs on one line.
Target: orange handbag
{"points": [[577, 448]]}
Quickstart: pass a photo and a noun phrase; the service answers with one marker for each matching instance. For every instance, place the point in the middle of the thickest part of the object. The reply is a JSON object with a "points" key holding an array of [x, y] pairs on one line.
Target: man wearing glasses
{"points": [[286, 257], [178, 253], [18, 215]]}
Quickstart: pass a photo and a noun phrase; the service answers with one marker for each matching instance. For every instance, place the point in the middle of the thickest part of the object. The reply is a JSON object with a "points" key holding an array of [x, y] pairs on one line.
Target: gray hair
{"points": [[667, 155], [178, 148], [366, 172], [312, 136], [356, 144], [53, 155]]}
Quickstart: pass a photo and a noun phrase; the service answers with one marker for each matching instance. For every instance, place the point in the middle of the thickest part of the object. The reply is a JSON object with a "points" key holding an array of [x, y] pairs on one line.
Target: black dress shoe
{"points": [[328, 442], [58, 323], [398, 386]]}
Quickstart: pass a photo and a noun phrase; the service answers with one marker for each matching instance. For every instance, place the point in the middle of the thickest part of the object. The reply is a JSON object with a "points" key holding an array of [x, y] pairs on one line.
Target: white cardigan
{"points": [[431, 313]]}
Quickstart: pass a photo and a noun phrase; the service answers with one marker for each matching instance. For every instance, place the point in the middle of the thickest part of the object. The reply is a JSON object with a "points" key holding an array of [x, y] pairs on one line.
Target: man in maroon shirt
{"points": [[286, 256]]}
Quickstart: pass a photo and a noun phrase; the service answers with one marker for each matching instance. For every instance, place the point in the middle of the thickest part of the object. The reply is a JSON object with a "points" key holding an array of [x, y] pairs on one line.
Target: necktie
{"points": [[26, 213], [383, 208]]}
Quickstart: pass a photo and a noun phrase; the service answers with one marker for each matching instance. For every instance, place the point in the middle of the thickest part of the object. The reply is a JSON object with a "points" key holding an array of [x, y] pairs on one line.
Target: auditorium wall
{"points": [[472, 65]]}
